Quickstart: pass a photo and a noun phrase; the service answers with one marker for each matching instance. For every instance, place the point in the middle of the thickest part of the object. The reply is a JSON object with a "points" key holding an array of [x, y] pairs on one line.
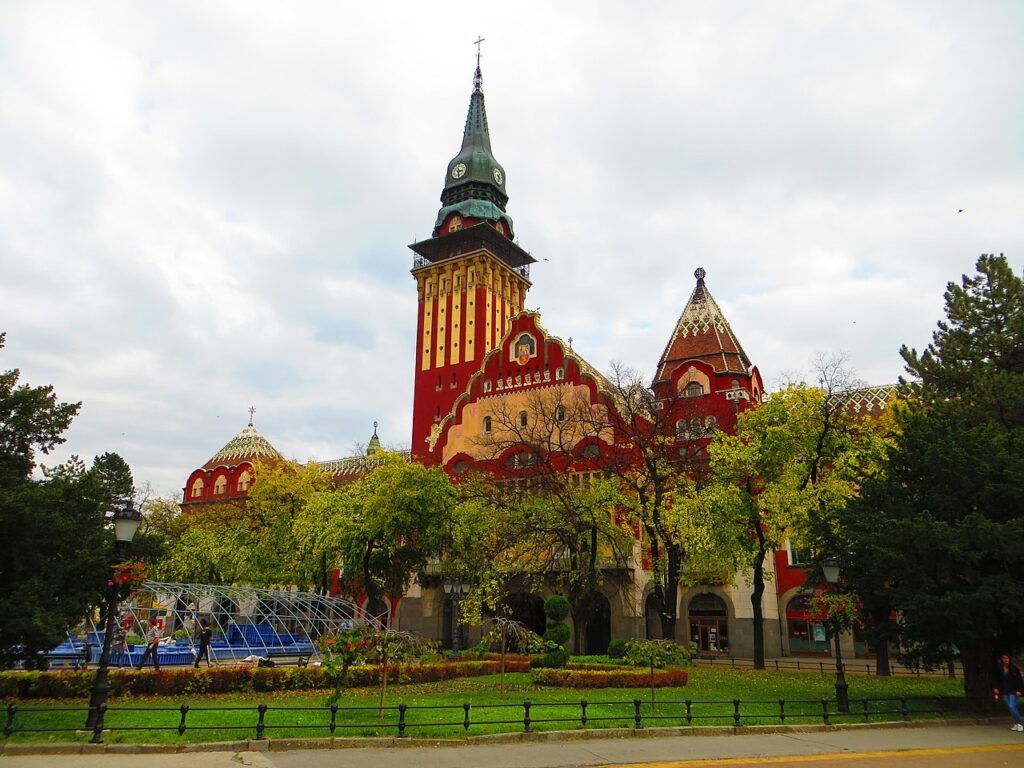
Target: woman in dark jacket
{"points": [[1008, 685]]}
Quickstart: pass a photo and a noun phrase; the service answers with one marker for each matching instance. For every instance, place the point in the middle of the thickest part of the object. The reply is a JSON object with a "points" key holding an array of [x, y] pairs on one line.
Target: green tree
{"points": [[793, 462], [55, 548], [551, 515], [383, 528], [956, 473]]}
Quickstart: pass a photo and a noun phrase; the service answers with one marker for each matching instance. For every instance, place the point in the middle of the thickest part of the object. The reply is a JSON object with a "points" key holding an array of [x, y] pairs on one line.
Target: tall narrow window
{"points": [[220, 486], [487, 425], [197, 488], [244, 481], [559, 413], [523, 419]]}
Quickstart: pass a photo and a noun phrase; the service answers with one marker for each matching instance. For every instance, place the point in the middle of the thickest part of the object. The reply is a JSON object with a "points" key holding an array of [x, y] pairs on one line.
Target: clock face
{"points": [[459, 171], [498, 178]]}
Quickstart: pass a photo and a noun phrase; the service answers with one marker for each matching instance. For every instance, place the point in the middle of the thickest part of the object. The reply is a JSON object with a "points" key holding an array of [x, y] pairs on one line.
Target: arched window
{"points": [[559, 374], [197, 488], [487, 386], [487, 425], [735, 384], [460, 467], [559, 413], [220, 485], [694, 389], [244, 481], [710, 425], [681, 431], [523, 419], [806, 628], [695, 428], [709, 623]]}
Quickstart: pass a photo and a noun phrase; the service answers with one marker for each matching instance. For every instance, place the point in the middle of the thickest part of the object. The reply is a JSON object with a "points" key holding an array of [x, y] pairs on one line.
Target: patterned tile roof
{"points": [[703, 333], [354, 467], [870, 401], [246, 445]]}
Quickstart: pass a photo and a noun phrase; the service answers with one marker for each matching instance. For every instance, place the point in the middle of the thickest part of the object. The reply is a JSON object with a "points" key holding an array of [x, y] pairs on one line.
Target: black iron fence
{"points": [[402, 719], [825, 664]]}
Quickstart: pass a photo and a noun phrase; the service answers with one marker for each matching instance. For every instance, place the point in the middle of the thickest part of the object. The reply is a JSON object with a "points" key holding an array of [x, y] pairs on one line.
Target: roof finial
{"points": [[699, 274], [252, 410], [375, 429], [478, 78]]}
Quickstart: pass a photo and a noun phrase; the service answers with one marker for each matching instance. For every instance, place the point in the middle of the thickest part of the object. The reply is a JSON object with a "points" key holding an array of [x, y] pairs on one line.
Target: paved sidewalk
{"points": [[551, 753]]}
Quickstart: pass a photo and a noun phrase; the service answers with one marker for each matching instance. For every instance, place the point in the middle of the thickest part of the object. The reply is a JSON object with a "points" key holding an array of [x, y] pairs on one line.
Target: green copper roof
{"points": [[374, 445], [475, 209], [474, 174]]}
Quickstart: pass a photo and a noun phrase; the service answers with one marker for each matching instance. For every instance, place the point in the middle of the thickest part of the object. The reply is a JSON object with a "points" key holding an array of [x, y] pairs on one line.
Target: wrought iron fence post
{"points": [[637, 717], [824, 711], [334, 718], [782, 710], [904, 710], [181, 725], [401, 721], [97, 729], [583, 713], [689, 711], [526, 716], [9, 727], [262, 709], [465, 721], [865, 710]]}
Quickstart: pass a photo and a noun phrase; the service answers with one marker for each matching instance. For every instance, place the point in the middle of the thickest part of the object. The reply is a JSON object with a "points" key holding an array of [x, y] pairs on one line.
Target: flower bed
{"points": [[239, 679], [617, 678]]}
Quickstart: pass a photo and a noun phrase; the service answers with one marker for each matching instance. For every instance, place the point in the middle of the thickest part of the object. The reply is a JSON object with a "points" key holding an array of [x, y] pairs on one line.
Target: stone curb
{"points": [[284, 745]]}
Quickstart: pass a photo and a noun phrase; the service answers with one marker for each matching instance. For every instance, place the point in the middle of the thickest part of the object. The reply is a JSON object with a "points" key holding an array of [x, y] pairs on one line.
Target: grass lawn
{"points": [[710, 691]]}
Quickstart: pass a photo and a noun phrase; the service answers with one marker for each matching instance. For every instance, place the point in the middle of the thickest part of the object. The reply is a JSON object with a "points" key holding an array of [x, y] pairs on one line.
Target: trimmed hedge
{"points": [[237, 679], [619, 678]]}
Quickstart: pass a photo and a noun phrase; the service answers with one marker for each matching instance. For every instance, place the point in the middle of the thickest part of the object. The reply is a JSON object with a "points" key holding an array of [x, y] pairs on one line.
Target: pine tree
{"points": [[956, 476]]}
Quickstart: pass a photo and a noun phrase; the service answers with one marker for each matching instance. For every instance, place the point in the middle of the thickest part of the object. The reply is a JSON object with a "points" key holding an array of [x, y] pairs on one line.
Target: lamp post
{"points": [[830, 568], [455, 592], [126, 523]]}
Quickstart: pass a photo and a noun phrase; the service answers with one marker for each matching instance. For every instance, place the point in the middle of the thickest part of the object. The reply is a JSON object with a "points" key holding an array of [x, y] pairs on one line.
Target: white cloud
{"points": [[206, 206]]}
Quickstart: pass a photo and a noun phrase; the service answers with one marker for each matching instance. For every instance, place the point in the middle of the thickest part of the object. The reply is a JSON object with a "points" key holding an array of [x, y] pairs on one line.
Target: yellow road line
{"points": [[763, 760]]}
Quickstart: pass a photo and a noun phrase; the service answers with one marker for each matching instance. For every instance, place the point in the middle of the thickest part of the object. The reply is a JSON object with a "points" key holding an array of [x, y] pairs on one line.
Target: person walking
{"points": [[152, 646], [1009, 685], [205, 637]]}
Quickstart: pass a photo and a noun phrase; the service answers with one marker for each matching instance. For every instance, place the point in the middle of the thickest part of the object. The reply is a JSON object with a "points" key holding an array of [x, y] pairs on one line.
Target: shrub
{"points": [[658, 653], [556, 608], [239, 679], [619, 678], [553, 658], [557, 634], [617, 649]]}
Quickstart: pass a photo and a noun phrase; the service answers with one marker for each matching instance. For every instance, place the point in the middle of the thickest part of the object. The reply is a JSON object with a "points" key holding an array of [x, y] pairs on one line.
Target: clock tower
{"points": [[470, 275]]}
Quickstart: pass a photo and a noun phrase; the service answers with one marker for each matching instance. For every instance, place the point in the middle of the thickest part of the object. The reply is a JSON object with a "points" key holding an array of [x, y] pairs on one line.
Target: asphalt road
{"points": [[931, 747]]}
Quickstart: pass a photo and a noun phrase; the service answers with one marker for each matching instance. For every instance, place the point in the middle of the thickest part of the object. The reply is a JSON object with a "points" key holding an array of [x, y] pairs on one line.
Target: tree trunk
{"points": [[756, 604], [979, 662], [756, 597], [882, 666], [670, 598]]}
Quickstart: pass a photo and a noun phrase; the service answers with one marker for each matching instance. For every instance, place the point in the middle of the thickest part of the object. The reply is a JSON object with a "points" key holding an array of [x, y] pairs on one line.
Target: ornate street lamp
{"points": [[455, 592], [126, 523], [830, 568]]}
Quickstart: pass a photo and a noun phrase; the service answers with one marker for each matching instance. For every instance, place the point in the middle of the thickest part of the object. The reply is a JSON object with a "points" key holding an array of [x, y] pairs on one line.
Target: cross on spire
{"points": [[477, 44], [252, 410]]}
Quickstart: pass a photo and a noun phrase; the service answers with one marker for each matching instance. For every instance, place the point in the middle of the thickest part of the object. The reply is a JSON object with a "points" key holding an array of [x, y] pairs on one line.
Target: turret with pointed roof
{"points": [[703, 334]]}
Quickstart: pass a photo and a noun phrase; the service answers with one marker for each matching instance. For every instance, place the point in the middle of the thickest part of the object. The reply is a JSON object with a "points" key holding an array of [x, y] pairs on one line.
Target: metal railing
{"points": [[824, 664], [400, 719]]}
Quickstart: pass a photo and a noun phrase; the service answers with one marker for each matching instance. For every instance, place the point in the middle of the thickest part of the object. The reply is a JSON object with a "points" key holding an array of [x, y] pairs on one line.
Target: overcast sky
{"points": [[206, 205]]}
